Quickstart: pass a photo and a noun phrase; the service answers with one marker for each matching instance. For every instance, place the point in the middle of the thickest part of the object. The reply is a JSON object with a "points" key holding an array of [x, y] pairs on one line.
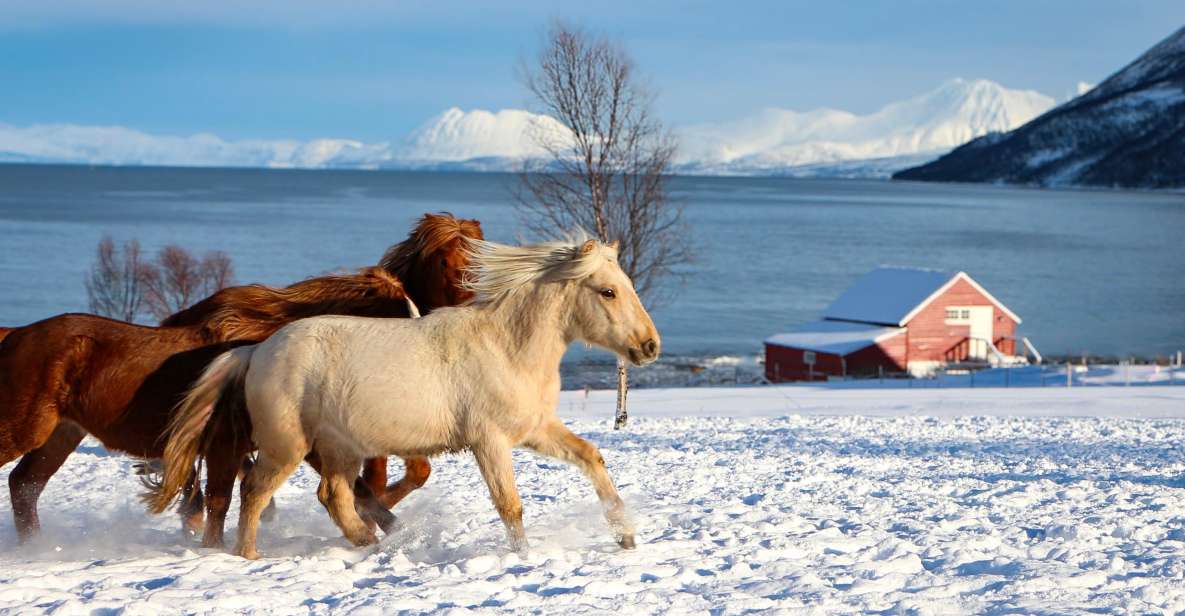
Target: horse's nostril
{"points": [[650, 347]]}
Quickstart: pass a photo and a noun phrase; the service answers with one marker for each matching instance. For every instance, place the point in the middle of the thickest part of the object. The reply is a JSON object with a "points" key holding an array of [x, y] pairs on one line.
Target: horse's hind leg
{"points": [[497, 468], [336, 493], [265, 478], [414, 478], [191, 508], [28, 479], [221, 472], [269, 512], [372, 512]]}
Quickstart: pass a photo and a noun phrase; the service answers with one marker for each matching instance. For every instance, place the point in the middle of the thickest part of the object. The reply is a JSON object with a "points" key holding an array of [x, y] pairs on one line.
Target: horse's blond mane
{"points": [[496, 270]]}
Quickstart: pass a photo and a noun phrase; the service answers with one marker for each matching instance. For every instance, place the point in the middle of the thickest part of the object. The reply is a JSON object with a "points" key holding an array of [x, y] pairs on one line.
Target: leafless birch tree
{"points": [[115, 285], [606, 165]]}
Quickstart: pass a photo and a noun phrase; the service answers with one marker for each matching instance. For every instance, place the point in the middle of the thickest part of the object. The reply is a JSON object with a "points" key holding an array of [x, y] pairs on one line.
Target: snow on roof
{"points": [[887, 295], [835, 337]]}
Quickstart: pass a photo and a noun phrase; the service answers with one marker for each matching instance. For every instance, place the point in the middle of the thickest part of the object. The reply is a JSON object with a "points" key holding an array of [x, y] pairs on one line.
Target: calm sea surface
{"points": [[1089, 272]]}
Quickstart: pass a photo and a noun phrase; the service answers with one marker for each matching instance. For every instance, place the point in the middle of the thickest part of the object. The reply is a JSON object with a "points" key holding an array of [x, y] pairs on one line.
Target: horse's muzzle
{"points": [[644, 354]]}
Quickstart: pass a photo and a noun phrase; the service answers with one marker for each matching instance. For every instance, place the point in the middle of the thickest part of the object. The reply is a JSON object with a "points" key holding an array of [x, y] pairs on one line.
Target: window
{"points": [[958, 315], [808, 358]]}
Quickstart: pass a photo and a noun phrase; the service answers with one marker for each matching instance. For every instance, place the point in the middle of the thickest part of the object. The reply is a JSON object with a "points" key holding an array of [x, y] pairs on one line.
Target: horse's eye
{"points": [[608, 293]]}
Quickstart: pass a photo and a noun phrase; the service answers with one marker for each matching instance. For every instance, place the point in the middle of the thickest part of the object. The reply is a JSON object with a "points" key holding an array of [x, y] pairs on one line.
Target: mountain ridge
{"points": [[774, 141], [1126, 132]]}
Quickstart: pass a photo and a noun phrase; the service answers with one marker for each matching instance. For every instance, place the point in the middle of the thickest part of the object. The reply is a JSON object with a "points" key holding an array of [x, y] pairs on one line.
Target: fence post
{"points": [[1007, 377], [1069, 373], [880, 373], [1127, 373]]}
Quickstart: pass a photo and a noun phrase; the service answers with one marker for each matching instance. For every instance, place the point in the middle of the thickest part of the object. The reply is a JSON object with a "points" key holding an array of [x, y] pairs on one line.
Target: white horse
{"points": [[483, 377]]}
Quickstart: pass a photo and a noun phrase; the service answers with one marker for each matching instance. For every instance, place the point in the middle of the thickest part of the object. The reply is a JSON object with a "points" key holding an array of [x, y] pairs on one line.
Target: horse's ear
{"points": [[588, 246], [615, 244]]}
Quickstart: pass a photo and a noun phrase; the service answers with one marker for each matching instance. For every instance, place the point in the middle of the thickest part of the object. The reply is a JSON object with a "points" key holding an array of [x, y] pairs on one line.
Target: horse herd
{"points": [[325, 371]]}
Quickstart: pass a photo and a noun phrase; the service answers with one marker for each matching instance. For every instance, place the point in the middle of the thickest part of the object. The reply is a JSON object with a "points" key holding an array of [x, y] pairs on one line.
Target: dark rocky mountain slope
{"points": [[1129, 132]]}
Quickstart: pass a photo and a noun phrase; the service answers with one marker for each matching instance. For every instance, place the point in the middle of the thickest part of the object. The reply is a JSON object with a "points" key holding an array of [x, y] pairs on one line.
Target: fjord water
{"points": [[1099, 272]]}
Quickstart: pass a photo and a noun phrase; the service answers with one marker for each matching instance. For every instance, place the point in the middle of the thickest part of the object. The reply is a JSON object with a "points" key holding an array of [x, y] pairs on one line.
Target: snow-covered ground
{"points": [[768, 498]]}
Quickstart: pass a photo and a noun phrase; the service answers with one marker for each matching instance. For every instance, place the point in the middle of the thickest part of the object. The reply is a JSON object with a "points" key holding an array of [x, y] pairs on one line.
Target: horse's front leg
{"points": [[28, 479], [497, 468], [554, 439]]}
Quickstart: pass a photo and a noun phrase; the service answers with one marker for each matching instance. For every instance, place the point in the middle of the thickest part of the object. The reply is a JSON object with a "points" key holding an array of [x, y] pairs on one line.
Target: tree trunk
{"points": [[622, 388]]}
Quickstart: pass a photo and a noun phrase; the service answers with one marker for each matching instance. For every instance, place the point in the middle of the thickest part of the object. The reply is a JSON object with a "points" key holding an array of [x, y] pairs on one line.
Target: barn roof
{"points": [[893, 295], [834, 337]]}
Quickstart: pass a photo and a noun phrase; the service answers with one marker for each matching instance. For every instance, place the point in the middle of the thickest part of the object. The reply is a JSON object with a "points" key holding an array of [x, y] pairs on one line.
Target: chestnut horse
{"points": [[69, 375]]}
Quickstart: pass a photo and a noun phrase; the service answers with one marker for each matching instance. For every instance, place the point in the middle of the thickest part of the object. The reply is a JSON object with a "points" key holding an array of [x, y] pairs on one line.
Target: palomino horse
{"points": [[483, 377], [73, 374], [430, 264]]}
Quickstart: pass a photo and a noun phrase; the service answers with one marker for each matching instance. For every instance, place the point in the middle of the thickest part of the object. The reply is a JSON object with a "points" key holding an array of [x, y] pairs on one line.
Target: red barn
{"points": [[897, 320]]}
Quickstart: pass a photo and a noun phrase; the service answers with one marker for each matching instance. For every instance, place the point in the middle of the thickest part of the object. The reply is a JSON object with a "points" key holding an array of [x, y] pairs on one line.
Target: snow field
{"points": [[926, 502]]}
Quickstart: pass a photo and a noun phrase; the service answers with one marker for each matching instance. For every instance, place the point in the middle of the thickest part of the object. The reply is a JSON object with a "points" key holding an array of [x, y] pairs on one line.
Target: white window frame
{"points": [[962, 315], [808, 358]]}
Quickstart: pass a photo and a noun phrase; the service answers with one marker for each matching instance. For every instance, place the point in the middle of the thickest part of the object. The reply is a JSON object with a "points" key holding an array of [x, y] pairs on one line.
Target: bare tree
{"points": [[123, 285], [115, 285], [179, 280], [607, 163]]}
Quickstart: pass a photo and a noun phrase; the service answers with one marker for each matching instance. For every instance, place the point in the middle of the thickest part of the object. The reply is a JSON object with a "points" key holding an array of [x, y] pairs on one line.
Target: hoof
{"points": [[627, 542], [520, 546], [192, 527], [364, 540], [251, 554], [208, 542], [390, 525]]}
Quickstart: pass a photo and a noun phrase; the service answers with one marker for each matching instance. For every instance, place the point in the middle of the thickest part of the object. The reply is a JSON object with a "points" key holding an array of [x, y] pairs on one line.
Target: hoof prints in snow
{"points": [[837, 514]]}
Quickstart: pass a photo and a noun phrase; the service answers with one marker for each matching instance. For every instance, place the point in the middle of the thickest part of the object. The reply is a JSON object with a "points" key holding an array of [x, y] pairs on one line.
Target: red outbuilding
{"points": [[896, 320]]}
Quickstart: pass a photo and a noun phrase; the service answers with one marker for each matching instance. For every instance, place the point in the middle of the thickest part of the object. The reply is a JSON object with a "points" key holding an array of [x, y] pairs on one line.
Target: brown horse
{"points": [[73, 374]]}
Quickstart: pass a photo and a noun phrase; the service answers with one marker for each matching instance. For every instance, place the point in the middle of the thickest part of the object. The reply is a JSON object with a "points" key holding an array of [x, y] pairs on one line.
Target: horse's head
{"points": [[607, 311], [599, 303], [433, 260]]}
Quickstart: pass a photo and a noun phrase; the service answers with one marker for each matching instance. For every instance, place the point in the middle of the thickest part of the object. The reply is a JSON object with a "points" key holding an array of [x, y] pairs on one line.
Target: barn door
{"points": [[981, 331]]}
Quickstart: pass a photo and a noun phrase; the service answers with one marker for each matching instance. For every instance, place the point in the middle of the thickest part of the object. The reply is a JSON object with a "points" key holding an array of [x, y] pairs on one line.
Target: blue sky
{"points": [[373, 71]]}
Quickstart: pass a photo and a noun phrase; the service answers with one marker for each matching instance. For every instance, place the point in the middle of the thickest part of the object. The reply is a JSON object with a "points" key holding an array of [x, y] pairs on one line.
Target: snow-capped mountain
{"points": [[1128, 131], [117, 145], [456, 136], [777, 139]]}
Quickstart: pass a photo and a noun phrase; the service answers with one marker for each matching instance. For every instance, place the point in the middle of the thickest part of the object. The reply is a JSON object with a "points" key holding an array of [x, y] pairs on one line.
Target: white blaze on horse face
{"points": [[613, 317]]}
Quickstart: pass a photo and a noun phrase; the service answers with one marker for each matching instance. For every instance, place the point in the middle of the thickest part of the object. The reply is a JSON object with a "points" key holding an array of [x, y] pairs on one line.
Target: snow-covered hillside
{"points": [[1128, 131], [769, 499], [775, 141], [953, 114]]}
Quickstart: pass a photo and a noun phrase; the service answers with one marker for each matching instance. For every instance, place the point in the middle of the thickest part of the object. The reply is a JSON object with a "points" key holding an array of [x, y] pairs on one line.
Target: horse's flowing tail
{"points": [[187, 432]]}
